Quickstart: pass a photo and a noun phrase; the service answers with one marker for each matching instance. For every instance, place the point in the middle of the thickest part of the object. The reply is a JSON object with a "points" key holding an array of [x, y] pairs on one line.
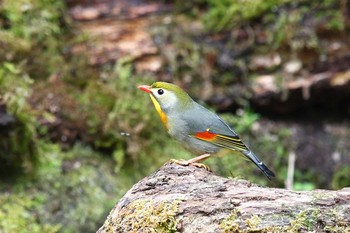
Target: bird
{"points": [[198, 129]]}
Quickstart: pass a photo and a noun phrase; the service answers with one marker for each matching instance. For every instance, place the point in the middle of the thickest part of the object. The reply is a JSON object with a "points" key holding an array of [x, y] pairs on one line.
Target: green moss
{"points": [[232, 222], [79, 189], [253, 223], [335, 215], [341, 178], [337, 228], [33, 32], [18, 154], [236, 223], [228, 14], [225, 14], [34, 35], [306, 220], [16, 215], [145, 215], [74, 190]]}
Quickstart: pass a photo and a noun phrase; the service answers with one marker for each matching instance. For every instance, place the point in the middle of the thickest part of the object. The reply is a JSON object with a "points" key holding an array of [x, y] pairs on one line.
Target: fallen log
{"points": [[190, 199]]}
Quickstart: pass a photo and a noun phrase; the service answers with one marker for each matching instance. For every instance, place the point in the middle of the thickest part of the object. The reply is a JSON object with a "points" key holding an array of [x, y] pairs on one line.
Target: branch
{"points": [[190, 199]]}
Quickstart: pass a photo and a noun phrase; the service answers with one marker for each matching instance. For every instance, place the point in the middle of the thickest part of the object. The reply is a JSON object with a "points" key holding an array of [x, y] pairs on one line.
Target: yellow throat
{"points": [[162, 115]]}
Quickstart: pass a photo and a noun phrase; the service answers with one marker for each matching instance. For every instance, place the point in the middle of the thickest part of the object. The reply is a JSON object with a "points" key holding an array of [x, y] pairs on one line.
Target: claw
{"points": [[201, 165]]}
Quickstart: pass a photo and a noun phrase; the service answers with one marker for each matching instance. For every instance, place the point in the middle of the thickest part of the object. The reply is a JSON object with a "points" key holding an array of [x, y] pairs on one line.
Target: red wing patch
{"points": [[233, 143], [206, 135]]}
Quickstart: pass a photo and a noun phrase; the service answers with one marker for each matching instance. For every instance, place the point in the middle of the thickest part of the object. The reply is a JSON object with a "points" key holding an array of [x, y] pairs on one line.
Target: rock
{"points": [[190, 199]]}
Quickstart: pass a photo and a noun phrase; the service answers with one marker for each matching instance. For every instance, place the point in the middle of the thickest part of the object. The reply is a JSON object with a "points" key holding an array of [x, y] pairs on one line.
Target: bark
{"points": [[190, 199]]}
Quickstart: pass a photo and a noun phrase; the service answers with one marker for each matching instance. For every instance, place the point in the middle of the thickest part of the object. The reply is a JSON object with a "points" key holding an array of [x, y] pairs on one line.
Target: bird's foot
{"points": [[201, 165], [179, 162], [183, 162]]}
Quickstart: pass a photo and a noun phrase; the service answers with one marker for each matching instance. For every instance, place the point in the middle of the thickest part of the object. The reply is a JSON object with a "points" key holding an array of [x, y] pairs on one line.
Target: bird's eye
{"points": [[160, 92]]}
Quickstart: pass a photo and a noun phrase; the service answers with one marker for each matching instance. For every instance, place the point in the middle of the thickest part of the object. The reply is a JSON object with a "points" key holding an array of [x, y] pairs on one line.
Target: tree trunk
{"points": [[190, 199]]}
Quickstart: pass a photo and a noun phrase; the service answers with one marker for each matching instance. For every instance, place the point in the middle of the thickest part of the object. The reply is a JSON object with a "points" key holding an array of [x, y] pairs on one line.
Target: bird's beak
{"points": [[145, 88]]}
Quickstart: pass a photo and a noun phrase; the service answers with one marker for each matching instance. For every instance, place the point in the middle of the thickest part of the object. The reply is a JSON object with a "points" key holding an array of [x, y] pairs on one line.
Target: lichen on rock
{"points": [[144, 215]]}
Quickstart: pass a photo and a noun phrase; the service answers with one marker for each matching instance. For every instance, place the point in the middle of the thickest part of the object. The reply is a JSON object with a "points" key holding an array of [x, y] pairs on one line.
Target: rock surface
{"points": [[190, 199]]}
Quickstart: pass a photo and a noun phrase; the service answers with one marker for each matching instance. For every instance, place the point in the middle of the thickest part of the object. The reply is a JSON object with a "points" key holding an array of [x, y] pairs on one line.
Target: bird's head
{"points": [[167, 96]]}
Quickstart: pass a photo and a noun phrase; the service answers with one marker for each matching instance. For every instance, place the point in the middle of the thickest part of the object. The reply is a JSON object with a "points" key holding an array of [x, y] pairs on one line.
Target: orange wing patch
{"points": [[206, 135], [233, 143]]}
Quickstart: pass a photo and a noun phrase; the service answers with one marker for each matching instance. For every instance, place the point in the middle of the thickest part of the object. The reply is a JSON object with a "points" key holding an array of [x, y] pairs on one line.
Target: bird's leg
{"points": [[195, 161], [199, 159]]}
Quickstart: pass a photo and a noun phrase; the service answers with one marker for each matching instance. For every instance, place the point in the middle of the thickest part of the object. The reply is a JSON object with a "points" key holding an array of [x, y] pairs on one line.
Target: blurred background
{"points": [[76, 133]]}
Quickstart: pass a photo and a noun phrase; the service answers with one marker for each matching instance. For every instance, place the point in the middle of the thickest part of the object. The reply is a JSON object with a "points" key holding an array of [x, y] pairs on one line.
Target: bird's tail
{"points": [[252, 157]]}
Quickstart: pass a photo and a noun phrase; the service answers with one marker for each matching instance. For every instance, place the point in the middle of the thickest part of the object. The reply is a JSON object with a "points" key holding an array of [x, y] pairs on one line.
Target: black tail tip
{"points": [[268, 173]]}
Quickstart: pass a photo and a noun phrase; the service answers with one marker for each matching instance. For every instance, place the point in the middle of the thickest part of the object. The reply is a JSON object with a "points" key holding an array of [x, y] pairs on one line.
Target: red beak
{"points": [[145, 88]]}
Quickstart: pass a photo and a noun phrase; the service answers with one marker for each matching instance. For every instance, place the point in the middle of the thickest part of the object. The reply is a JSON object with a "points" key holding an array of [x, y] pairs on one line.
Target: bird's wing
{"points": [[232, 142], [207, 126]]}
